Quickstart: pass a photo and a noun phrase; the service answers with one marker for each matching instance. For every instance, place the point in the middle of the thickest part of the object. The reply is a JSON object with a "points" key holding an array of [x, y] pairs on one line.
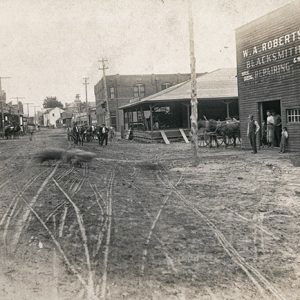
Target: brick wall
{"points": [[124, 90]]}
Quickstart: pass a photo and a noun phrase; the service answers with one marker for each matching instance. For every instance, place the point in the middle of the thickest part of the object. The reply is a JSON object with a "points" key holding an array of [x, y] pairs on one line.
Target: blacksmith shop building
{"points": [[121, 89], [268, 70]]}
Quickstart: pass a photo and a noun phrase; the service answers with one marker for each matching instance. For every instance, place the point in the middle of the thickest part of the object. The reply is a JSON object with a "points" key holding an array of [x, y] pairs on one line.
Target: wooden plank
{"points": [[184, 136], [163, 134]]}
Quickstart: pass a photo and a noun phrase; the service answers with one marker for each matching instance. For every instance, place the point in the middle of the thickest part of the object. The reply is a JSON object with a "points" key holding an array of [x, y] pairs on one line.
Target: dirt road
{"points": [[143, 223]]}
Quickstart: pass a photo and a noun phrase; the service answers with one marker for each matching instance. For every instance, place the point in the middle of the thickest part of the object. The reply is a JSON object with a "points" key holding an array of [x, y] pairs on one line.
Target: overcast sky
{"points": [[48, 46]]}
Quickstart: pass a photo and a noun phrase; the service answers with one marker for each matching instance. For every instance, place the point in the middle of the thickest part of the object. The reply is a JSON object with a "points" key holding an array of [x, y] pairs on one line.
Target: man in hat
{"points": [[252, 130], [104, 134]]}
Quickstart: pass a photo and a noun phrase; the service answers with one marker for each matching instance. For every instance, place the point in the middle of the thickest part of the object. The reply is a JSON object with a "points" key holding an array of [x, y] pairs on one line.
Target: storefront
{"points": [[268, 70]]}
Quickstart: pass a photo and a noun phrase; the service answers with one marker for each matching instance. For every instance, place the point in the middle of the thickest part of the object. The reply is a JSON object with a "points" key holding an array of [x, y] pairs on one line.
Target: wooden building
{"points": [[169, 110], [121, 89], [268, 70]]}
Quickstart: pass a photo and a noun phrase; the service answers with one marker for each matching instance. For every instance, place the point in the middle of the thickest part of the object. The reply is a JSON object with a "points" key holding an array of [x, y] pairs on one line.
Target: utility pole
{"points": [[194, 101], [86, 100], [35, 114], [107, 112], [2, 102], [28, 108]]}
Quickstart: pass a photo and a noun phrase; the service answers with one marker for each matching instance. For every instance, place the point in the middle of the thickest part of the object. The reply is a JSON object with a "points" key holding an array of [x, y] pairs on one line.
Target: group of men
{"points": [[271, 134], [80, 133]]}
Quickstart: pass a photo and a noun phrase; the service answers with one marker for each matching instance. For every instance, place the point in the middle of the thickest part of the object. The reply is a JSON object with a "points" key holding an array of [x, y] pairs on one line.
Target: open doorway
{"points": [[275, 108], [272, 106]]}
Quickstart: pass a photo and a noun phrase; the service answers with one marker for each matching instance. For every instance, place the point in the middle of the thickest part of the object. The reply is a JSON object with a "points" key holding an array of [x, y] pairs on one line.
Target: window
{"points": [[139, 91], [165, 85], [112, 92], [293, 115]]}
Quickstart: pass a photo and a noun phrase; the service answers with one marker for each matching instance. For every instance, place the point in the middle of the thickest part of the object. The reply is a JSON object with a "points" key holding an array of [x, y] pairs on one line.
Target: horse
{"points": [[82, 135], [8, 131], [17, 131], [230, 131]]}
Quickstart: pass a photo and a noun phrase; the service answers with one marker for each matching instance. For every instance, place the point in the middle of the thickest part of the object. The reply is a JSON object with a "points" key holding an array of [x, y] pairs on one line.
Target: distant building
{"points": [[121, 89], [76, 106], [51, 115], [66, 118], [13, 113], [81, 112]]}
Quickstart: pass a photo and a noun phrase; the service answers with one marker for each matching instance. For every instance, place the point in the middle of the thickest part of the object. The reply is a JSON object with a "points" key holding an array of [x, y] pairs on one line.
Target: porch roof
{"points": [[220, 84]]}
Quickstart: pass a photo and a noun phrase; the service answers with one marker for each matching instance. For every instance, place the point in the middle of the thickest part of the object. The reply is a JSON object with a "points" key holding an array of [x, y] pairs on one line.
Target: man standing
{"points": [[277, 129], [252, 130], [270, 129], [104, 132], [75, 133]]}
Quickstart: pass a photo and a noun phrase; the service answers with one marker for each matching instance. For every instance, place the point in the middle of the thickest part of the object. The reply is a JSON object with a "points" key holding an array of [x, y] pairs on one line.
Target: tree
{"points": [[51, 102]]}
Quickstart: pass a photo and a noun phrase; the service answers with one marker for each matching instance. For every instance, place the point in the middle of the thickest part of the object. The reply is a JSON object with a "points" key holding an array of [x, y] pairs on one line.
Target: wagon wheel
{"points": [[206, 138]]}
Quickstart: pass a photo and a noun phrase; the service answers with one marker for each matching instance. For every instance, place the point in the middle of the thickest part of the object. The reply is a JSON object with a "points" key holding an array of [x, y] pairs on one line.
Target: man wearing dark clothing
{"points": [[104, 134], [99, 134], [277, 130], [75, 133], [252, 130]]}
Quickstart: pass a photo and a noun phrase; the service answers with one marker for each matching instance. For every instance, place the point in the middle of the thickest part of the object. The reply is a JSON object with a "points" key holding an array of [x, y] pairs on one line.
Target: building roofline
{"points": [[151, 74], [151, 98], [130, 105], [144, 75]]}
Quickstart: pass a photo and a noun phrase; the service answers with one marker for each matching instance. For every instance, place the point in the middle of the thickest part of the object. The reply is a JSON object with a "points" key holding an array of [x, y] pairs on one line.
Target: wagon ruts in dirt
{"points": [[214, 133]]}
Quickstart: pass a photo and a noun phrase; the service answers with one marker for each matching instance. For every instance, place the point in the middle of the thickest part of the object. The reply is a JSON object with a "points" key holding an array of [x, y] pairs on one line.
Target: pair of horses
{"points": [[220, 132], [12, 131]]}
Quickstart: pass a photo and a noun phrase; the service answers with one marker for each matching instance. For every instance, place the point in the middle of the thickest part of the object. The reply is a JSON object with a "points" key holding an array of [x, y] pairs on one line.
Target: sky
{"points": [[48, 46]]}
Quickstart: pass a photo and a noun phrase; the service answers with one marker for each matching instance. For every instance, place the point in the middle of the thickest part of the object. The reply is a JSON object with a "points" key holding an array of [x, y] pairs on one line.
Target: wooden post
{"points": [[151, 118], [107, 111], [194, 101], [144, 119], [188, 116], [227, 109]]}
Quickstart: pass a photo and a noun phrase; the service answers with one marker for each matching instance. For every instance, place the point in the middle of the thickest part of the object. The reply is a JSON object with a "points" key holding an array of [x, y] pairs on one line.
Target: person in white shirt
{"points": [[284, 139], [270, 129], [252, 131]]}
